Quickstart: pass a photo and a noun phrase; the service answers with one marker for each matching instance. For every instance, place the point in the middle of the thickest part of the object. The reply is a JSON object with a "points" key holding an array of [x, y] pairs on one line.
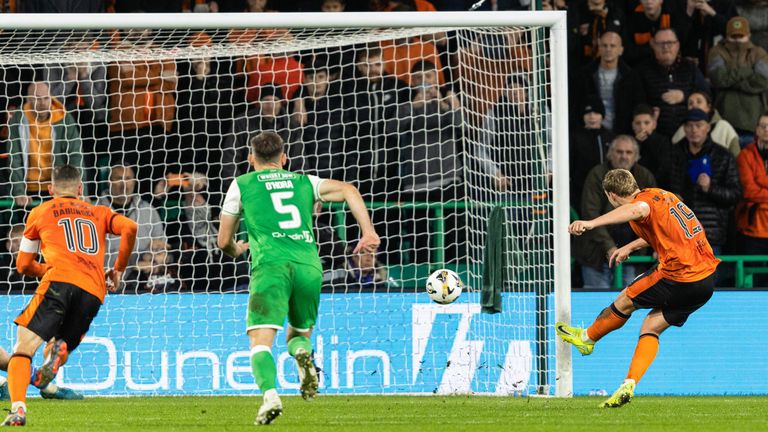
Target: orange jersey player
{"points": [[681, 283], [71, 235]]}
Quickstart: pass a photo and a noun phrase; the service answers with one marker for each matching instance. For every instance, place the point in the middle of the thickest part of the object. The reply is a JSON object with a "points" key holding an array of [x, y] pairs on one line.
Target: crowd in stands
{"points": [[675, 91]]}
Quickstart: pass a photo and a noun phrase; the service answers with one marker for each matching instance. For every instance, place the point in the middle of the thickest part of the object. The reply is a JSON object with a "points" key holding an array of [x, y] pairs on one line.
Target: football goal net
{"points": [[452, 126]]}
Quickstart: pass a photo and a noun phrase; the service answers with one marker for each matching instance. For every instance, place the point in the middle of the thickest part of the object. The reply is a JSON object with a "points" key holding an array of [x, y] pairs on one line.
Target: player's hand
{"points": [[618, 256], [113, 279], [369, 243], [579, 227], [241, 247]]}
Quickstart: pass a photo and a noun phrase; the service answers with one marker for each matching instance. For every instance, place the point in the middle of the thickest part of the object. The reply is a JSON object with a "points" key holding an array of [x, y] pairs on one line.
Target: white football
{"points": [[444, 286]]}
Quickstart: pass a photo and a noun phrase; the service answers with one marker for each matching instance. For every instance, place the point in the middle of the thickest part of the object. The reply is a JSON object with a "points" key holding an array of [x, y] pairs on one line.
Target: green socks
{"points": [[299, 342], [263, 367]]}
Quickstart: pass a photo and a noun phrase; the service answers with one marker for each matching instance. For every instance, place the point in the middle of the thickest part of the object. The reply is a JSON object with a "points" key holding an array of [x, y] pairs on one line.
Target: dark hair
{"points": [[642, 109], [423, 66], [367, 52], [66, 174], [267, 146], [667, 29], [705, 95]]}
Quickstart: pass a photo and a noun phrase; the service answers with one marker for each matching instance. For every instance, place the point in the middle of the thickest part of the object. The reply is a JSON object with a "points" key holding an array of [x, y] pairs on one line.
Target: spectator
{"points": [[721, 132], [42, 136], [281, 71], [122, 199], [617, 85], [365, 271], [142, 109], [593, 18], [9, 277], [205, 109], [192, 230], [589, 146], [708, 20], [669, 80], [430, 135], [372, 98], [655, 149], [706, 178], [593, 249], [333, 5], [82, 88], [752, 210], [156, 272], [645, 20], [317, 120], [269, 114], [739, 72]]}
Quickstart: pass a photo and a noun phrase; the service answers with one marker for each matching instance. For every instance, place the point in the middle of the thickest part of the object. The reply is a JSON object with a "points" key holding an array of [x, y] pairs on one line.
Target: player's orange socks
{"points": [[645, 352], [609, 320], [19, 368]]}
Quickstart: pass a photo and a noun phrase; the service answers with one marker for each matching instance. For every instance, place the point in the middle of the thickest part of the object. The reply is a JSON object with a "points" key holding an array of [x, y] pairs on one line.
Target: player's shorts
{"points": [[284, 288], [60, 310], [677, 300]]}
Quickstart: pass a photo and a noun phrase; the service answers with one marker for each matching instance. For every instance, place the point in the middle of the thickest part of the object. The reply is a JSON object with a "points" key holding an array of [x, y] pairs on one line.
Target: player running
{"points": [[681, 283], [71, 235], [285, 267]]}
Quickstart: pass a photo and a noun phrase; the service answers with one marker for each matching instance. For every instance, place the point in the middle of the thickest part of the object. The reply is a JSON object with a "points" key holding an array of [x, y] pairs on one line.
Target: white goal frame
{"points": [[557, 58]]}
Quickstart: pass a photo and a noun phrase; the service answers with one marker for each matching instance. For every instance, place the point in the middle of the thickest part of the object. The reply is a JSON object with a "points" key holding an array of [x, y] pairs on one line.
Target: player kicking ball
{"points": [[681, 283], [49, 391], [286, 275], [71, 234]]}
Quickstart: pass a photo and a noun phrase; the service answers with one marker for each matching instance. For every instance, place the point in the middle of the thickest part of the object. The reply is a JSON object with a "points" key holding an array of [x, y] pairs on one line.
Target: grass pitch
{"points": [[402, 413]]}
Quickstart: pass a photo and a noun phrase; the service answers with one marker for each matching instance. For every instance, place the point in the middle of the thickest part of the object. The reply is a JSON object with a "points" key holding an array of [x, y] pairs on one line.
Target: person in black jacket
{"points": [[655, 149], [708, 20], [372, 100], [669, 80], [617, 85], [593, 18], [706, 178], [589, 146]]}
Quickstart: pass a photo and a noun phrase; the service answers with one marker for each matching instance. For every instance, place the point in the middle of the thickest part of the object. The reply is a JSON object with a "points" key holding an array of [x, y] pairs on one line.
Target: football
{"points": [[444, 286]]}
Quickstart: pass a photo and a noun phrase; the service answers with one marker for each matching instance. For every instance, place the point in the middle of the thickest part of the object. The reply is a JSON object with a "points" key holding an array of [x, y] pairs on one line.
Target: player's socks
{"points": [[263, 367], [298, 342], [645, 353], [18, 377], [609, 320]]}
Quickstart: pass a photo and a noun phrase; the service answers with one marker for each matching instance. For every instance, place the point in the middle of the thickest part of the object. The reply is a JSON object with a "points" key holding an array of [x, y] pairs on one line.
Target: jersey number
{"points": [[75, 232], [683, 214], [286, 209]]}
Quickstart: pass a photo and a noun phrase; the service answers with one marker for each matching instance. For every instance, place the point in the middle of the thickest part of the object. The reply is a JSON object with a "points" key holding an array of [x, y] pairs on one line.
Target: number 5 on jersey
{"points": [[281, 207]]}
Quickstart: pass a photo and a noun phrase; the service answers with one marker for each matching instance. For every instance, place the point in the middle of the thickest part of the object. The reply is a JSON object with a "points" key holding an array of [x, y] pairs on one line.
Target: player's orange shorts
{"points": [[60, 310], [677, 300]]}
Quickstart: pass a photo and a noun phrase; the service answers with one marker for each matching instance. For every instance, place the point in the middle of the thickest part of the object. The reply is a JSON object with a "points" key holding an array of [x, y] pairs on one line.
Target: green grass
{"points": [[403, 413]]}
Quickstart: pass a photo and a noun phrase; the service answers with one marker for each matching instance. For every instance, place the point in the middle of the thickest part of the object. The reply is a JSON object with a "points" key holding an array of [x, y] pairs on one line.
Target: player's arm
{"points": [[126, 229], [26, 261], [337, 191], [625, 213], [229, 222], [621, 254]]}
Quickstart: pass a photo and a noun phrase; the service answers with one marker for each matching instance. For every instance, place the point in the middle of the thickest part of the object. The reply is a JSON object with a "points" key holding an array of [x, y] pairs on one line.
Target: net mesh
{"points": [[436, 127]]}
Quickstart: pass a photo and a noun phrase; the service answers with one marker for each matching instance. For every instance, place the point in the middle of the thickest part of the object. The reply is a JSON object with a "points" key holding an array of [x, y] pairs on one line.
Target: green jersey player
{"points": [[286, 275]]}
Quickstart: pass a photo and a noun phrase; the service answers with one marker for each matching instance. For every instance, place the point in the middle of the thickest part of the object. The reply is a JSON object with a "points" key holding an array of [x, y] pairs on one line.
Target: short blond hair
{"points": [[621, 182]]}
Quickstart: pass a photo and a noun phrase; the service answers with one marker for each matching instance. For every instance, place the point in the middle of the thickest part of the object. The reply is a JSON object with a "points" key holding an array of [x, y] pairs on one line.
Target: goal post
{"points": [[460, 113]]}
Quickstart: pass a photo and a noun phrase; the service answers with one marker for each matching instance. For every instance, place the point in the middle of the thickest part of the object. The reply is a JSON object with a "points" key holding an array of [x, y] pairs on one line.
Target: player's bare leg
{"points": [[611, 318], [645, 352], [19, 367], [265, 372], [300, 347]]}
